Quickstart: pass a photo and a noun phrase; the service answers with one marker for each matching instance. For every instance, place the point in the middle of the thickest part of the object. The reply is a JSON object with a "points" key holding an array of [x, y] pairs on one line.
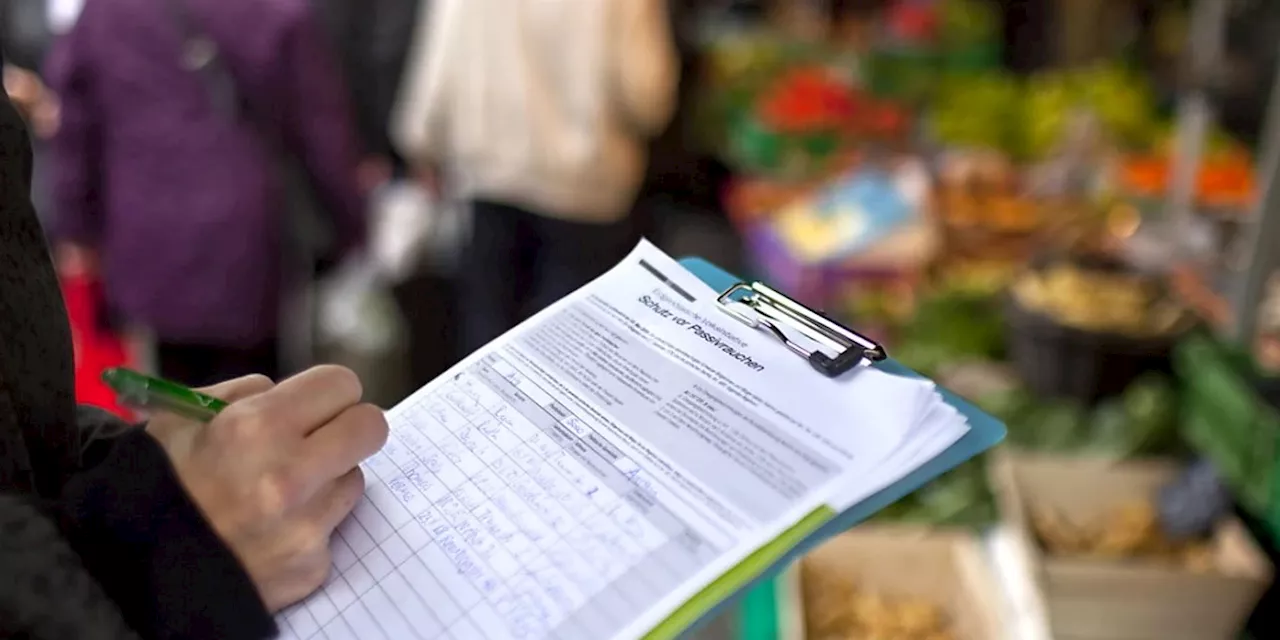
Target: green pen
{"points": [[141, 391]]}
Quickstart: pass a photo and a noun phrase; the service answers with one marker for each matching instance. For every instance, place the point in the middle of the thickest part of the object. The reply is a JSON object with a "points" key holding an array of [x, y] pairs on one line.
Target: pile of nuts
{"points": [[1128, 531], [836, 609]]}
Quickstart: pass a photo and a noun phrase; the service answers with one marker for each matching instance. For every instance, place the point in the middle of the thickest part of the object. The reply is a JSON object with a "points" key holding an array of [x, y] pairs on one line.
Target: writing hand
{"points": [[276, 471]]}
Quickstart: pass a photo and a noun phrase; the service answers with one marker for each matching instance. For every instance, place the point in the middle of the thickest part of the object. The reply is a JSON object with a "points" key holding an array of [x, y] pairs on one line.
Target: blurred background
{"points": [[1063, 210]]}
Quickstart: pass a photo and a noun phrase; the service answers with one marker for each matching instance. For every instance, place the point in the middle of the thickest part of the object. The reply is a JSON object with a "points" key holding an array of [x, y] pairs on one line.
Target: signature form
{"points": [[589, 473]]}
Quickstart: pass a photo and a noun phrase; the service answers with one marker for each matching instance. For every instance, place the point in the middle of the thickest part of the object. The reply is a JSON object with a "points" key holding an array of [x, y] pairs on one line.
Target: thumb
{"points": [[239, 388]]}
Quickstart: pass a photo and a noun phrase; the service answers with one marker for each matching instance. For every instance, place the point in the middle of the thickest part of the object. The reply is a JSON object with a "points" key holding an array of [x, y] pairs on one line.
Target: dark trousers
{"points": [[519, 262], [429, 304], [202, 365]]}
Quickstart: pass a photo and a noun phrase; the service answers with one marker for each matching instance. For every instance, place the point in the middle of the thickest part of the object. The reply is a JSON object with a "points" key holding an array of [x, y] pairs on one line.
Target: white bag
{"points": [[360, 326], [356, 311], [414, 231]]}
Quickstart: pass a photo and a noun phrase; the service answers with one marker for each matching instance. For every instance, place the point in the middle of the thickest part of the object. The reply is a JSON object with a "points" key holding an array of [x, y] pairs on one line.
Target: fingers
{"points": [[312, 398], [239, 388], [338, 446], [335, 501]]}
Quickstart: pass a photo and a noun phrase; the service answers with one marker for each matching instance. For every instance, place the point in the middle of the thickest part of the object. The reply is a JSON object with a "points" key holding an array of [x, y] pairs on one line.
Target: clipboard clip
{"points": [[761, 307]]}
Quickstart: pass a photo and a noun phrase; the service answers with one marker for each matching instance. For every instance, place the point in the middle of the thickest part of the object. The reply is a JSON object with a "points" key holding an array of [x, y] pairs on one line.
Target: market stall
{"points": [[1008, 235]]}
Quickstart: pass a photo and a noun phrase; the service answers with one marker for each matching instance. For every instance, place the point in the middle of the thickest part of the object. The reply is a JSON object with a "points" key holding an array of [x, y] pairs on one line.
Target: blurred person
{"points": [[539, 114], [27, 28], [182, 201], [371, 39], [176, 530]]}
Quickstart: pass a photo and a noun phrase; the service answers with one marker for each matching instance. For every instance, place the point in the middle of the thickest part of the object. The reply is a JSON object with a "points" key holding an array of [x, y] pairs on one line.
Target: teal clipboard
{"points": [[984, 432]]}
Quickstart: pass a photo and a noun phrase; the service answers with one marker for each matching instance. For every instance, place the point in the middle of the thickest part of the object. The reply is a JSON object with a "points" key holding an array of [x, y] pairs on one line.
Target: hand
{"points": [[34, 101], [276, 472], [24, 88], [74, 260]]}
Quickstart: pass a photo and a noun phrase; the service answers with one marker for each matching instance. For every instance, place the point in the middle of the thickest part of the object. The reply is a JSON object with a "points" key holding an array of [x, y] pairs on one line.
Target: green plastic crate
{"points": [[1224, 419]]}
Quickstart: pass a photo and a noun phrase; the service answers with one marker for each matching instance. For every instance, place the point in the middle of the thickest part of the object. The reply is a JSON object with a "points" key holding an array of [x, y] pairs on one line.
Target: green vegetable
{"points": [[961, 497], [1120, 99], [1006, 405], [1028, 120], [950, 496], [966, 23], [1151, 404], [1055, 426], [1109, 431], [978, 112]]}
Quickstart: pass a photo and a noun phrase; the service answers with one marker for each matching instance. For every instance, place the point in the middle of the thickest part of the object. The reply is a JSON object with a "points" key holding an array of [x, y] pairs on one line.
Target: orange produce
{"points": [[1225, 180]]}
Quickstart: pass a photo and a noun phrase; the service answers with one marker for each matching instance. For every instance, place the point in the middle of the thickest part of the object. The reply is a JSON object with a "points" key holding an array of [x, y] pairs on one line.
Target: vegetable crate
{"points": [[1095, 598], [1225, 418], [942, 568]]}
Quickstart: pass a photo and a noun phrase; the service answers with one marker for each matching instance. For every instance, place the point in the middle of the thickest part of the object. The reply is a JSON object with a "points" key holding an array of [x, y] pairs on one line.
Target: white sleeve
{"points": [[421, 111], [646, 64]]}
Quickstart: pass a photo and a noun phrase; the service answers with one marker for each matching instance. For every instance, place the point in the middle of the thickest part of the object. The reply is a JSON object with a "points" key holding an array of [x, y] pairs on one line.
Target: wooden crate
{"points": [[1098, 599], [945, 568]]}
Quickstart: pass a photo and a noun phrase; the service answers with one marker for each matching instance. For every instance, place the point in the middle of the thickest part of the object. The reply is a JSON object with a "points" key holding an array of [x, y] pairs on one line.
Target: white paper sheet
{"points": [[584, 475]]}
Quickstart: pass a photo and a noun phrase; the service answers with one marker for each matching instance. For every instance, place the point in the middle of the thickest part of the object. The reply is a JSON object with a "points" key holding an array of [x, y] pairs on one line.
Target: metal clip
{"points": [[760, 307]]}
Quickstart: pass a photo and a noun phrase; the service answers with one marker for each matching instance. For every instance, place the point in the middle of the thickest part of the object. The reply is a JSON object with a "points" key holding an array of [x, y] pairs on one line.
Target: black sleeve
{"points": [[98, 430], [152, 552], [46, 594]]}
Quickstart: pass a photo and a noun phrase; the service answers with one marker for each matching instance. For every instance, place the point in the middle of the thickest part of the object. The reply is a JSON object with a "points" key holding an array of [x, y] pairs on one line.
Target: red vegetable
{"points": [[805, 100]]}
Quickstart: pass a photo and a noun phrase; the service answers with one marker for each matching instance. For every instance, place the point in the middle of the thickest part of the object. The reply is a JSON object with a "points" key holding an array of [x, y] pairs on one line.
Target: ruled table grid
{"points": [[477, 523]]}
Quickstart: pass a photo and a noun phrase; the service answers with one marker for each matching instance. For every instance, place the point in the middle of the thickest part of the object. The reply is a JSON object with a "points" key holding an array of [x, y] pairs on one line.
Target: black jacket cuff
{"points": [[147, 544]]}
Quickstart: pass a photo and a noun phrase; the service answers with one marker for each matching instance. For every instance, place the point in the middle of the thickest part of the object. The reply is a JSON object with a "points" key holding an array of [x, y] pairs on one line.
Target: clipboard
{"points": [[985, 432]]}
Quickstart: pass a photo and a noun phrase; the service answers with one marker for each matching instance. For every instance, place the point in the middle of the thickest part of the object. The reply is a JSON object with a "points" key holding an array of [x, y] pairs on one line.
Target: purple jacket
{"points": [[185, 206]]}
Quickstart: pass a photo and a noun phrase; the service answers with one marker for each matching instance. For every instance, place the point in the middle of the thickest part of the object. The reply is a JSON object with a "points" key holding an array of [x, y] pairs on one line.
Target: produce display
{"points": [[736, 69], [1140, 421], [808, 99], [948, 326], [981, 189], [967, 23], [1225, 179], [923, 42], [837, 609], [1119, 97], [983, 112], [1027, 119], [956, 324], [791, 118], [989, 209], [977, 277], [1100, 300], [961, 498], [1127, 532], [805, 117]]}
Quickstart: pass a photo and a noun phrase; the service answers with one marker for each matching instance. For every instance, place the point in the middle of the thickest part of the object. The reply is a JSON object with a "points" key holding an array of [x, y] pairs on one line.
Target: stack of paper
{"points": [[612, 468]]}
